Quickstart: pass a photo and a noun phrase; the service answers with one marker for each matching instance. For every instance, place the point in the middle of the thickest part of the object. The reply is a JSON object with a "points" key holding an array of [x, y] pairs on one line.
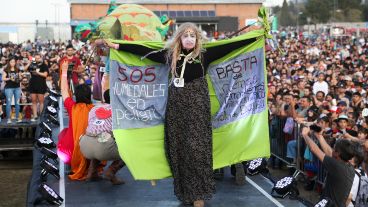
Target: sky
{"points": [[273, 3], [28, 11]]}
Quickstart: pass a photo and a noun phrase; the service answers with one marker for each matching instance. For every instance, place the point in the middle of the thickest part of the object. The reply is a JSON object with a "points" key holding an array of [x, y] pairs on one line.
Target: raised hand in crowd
{"points": [[64, 80]]}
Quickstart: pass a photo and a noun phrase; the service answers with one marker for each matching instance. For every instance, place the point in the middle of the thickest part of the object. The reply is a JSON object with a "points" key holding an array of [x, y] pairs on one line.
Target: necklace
{"points": [[190, 59]]}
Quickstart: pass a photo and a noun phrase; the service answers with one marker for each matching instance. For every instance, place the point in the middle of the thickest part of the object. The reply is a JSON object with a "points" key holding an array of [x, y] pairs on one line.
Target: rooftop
{"points": [[167, 1]]}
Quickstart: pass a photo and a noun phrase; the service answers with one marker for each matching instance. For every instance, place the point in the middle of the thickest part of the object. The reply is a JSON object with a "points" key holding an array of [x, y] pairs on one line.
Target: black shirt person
{"points": [[37, 83], [340, 173]]}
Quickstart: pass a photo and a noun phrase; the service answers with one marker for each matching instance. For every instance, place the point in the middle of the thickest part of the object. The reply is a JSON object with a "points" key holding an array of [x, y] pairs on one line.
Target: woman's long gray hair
{"points": [[174, 45]]}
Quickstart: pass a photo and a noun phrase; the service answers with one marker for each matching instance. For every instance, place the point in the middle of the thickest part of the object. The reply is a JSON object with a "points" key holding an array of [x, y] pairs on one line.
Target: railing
{"points": [[279, 142]]}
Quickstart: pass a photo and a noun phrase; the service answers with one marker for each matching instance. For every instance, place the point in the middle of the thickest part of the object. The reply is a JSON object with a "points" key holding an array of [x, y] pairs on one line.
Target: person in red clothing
{"points": [[72, 59], [68, 145]]}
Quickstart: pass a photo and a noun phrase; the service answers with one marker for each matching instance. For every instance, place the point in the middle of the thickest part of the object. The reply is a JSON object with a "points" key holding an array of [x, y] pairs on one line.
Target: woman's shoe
{"points": [[198, 203]]}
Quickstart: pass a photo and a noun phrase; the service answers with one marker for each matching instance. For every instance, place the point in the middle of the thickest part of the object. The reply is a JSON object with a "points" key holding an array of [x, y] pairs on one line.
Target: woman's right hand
{"points": [[109, 44]]}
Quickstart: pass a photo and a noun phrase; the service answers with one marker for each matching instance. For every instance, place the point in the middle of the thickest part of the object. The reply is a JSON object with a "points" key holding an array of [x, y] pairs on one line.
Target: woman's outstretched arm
{"points": [[216, 52], [152, 54]]}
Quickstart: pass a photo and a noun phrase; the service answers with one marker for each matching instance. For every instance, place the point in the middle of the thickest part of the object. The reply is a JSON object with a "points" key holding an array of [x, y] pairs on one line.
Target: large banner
{"points": [[138, 95], [237, 87], [240, 87]]}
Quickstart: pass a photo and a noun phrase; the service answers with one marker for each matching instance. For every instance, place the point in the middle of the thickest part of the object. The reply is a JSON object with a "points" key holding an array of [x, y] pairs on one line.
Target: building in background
{"points": [[210, 15], [21, 32]]}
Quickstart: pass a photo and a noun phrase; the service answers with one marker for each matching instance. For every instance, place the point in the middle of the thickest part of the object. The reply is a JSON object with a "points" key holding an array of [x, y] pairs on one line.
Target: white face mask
{"points": [[188, 39]]}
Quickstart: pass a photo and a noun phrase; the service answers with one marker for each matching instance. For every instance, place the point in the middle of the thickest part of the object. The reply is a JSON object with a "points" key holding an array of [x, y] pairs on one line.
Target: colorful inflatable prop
{"points": [[133, 22]]}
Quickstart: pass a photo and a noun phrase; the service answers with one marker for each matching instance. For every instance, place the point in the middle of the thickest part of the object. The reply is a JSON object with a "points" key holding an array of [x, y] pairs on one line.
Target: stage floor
{"points": [[255, 193], [141, 194]]}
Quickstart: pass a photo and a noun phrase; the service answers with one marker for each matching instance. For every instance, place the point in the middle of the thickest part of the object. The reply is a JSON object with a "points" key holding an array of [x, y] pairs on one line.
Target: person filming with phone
{"points": [[340, 173], [37, 84], [75, 66]]}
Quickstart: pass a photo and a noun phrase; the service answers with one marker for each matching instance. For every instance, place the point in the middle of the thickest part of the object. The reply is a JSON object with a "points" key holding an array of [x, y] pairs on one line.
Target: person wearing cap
{"points": [[321, 84], [341, 92], [343, 130], [349, 83], [98, 143], [343, 106]]}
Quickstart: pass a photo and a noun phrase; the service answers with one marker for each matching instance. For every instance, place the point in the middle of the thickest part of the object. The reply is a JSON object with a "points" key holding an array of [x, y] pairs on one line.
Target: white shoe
{"points": [[9, 121], [33, 119]]}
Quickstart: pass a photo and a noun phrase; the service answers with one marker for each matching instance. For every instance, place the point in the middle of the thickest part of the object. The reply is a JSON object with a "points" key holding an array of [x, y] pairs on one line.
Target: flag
{"points": [[237, 87]]}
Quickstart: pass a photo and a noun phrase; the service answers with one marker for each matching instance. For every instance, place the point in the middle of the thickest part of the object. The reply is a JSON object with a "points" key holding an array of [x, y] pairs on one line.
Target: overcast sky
{"points": [[273, 2], [30, 10], [26, 11]]}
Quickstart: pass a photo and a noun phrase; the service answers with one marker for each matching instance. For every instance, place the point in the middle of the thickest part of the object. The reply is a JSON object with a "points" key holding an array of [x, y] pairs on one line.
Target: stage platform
{"points": [[255, 193], [17, 135]]}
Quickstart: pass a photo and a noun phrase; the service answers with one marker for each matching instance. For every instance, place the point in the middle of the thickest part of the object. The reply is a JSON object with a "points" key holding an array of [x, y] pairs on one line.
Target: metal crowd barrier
{"points": [[279, 141]]}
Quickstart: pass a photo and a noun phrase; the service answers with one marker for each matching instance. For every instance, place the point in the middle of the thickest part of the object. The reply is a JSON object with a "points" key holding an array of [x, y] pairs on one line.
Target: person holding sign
{"points": [[188, 127]]}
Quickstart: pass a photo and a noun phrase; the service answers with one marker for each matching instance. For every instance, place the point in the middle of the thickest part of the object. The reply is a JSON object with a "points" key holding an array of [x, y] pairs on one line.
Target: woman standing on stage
{"points": [[188, 128]]}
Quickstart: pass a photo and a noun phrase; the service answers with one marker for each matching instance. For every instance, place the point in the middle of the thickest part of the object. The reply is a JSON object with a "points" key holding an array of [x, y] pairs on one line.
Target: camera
{"points": [[70, 69], [315, 128], [33, 66]]}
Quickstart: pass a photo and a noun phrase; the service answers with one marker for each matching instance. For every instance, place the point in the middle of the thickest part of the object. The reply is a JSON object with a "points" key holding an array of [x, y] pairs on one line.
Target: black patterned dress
{"points": [[188, 127]]}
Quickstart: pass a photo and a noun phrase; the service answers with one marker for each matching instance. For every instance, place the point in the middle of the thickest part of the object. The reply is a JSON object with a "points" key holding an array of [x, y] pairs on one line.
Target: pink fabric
{"points": [[99, 119], [103, 113], [65, 144]]}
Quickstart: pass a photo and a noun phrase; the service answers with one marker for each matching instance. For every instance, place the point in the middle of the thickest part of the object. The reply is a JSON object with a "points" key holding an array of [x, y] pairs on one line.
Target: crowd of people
{"points": [[322, 84], [29, 70]]}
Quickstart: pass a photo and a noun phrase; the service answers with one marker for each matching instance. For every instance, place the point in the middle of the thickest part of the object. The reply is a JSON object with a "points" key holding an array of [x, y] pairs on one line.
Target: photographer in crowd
{"points": [[74, 64], [340, 173], [37, 84]]}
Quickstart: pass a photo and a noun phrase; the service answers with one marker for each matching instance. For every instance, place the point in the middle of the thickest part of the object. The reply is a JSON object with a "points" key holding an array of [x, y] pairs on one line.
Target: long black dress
{"points": [[188, 128]]}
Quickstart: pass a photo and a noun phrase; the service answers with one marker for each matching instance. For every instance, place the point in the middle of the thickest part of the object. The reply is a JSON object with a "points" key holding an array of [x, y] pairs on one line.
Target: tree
{"points": [[319, 10], [354, 15], [285, 17], [365, 13], [351, 9], [276, 9]]}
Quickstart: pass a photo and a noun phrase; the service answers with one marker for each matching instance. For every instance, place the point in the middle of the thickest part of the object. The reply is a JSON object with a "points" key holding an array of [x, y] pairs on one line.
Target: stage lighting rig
{"points": [[45, 142], [48, 154], [284, 187], [51, 110], [257, 166], [54, 93], [48, 168], [50, 119], [53, 101], [49, 195]]}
